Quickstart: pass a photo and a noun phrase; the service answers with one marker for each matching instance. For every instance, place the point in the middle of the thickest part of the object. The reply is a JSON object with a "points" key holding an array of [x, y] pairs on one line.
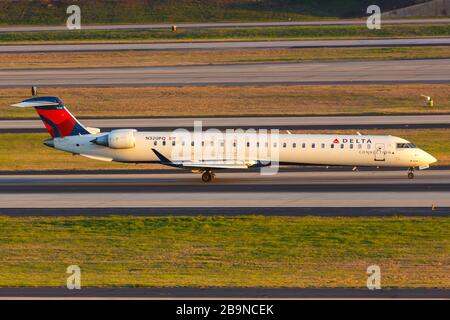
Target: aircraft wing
{"points": [[217, 165], [204, 164]]}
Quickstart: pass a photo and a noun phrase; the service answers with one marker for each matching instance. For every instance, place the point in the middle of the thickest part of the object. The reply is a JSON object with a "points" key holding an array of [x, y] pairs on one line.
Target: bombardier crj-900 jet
{"points": [[239, 150]]}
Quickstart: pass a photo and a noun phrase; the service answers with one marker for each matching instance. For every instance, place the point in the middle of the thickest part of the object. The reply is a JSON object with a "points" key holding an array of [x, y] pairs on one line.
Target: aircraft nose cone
{"points": [[432, 159], [429, 158], [49, 143]]}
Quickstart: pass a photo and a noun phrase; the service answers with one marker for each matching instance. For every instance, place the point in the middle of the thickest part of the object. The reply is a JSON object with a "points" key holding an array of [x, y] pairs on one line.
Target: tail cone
{"points": [[49, 143]]}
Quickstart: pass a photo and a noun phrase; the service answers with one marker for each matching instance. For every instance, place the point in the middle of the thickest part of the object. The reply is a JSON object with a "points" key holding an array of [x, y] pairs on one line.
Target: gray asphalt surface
{"points": [[355, 72], [59, 195], [220, 45], [245, 189], [240, 293], [322, 122], [230, 211], [342, 22]]}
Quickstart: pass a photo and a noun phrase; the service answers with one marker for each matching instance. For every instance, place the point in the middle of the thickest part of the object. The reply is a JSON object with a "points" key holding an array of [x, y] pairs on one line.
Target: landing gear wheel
{"points": [[411, 173], [207, 176]]}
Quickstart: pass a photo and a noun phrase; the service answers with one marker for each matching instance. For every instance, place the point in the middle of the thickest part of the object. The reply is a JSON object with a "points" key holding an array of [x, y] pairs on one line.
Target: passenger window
{"points": [[303, 145], [294, 145], [266, 144], [323, 145], [351, 145], [164, 143], [192, 143], [369, 146], [248, 144], [183, 143], [155, 143], [359, 146], [313, 145], [274, 144], [222, 144], [332, 146], [173, 142], [284, 145], [342, 146], [212, 143]]}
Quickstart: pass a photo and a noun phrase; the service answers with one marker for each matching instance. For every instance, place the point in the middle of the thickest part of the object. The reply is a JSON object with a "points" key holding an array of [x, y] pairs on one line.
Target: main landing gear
{"points": [[411, 173], [207, 176]]}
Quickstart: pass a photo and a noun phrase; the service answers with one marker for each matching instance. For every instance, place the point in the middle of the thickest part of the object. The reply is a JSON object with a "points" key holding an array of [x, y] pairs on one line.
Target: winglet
{"points": [[161, 158]]}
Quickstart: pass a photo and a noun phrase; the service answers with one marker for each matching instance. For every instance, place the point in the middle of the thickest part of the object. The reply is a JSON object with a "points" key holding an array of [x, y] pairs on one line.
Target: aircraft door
{"points": [[222, 149], [380, 152], [229, 150]]}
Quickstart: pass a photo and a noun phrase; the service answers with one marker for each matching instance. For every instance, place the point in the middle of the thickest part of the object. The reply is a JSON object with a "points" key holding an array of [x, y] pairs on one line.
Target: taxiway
{"points": [[291, 122], [342, 72], [345, 189]]}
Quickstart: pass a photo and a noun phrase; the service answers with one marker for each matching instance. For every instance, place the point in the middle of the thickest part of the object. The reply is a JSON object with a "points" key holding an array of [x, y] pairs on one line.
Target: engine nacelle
{"points": [[118, 139]]}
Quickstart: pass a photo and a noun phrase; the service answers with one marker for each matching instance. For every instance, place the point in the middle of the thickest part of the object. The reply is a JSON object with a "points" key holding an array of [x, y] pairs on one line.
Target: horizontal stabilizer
{"points": [[28, 104]]}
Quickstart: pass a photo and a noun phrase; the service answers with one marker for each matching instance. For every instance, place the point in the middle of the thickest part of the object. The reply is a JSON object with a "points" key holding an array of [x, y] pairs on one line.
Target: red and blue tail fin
{"points": [[57, 119]]}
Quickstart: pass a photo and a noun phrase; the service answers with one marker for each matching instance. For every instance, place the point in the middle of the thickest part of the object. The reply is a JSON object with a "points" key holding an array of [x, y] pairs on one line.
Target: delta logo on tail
{"points": [[57, 119]]}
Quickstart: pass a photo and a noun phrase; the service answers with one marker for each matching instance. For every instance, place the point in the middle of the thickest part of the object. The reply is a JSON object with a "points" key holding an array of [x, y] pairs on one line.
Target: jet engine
{"points": [[118, 139]]}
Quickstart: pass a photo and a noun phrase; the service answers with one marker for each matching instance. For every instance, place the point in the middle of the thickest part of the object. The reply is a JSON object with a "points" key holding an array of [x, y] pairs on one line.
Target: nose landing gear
{"points": [[411, 173], [207, 176]]}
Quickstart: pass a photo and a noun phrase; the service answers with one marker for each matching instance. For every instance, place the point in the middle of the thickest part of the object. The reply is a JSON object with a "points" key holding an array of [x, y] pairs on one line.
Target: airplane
{"points": [[132, 146]]}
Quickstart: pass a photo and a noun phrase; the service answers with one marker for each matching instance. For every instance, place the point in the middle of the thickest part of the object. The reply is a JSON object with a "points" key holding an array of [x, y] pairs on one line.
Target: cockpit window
{"points": [[406, 146]]}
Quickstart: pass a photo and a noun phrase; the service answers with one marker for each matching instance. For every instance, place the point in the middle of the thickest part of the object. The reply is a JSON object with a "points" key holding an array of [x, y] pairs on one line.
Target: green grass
{"points": [[225, 251], [233, 101], [198, 57], [353, 54], [257, 33], [25, 151], [146, 11]]}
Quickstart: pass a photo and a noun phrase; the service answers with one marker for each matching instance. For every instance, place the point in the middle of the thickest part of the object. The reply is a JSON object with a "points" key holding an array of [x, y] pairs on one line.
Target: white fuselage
{"points": [[304, 149]]}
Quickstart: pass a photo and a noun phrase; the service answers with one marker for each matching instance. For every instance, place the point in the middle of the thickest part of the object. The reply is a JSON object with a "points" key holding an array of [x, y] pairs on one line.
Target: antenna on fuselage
{"points": [[34, 91]]}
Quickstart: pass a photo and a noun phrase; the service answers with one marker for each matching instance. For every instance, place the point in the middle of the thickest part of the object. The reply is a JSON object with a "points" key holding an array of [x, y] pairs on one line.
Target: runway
{"points": [[342, 22], [211, 293], [354, 72], [292, 123], [185, 191], [221, 45]]}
